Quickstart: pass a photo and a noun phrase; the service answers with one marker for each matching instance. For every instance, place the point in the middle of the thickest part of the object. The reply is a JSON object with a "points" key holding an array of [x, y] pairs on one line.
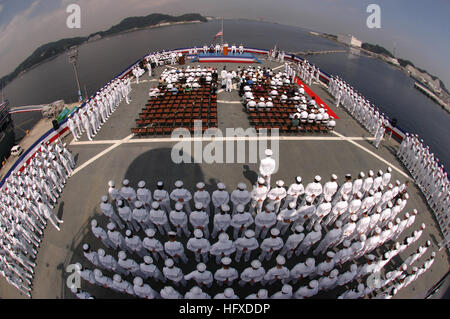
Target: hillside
{"points": [[53, 49]]}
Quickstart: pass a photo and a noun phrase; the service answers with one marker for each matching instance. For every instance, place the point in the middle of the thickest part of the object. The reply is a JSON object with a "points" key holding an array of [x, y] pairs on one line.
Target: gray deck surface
{"points": [[151, 161]]}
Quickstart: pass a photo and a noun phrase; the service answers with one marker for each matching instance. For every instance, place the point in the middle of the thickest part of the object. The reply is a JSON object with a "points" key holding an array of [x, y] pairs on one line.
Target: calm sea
{"points": [[391, 90]]}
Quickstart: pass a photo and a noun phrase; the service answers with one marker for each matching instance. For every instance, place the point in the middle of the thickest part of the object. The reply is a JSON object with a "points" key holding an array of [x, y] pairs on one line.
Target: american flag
{"points": [[220, 34]]}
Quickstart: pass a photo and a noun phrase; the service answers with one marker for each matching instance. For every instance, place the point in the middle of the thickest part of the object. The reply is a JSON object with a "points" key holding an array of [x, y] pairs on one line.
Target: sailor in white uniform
{"points": [[199, 246], [153, 245], [224, 247], [240, 196], [226, 274], [202, 196], [292, 242], [252, 275], [181, 195], [179, 220], [220, 197], [201, 276], [264, 221], [221, 221], [258, 194], [267, 167]]}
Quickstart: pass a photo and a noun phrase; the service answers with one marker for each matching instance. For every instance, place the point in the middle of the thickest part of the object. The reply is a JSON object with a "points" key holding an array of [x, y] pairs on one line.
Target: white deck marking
{"points": [[278, 67], [221, 139], [229, 102], [96, 157], [350, 140]]}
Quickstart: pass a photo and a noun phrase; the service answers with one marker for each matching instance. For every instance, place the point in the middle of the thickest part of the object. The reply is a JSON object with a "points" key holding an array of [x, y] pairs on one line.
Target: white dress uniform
{"points": [[162, 197], [92, 256], [159, 218], [240, 196], [220, 197], [307, 291], [292, 242], [310, 239], [201, 276], [149, 270], [321, 212], [134, 243], [347, 276], [221, 221], [226, 274], [271, 245], [241, 221], [276, 195], [245, 245], [196, 293], [330, 239], [169, 293], [339, 209], [224, 247], [144, 195], [110, 263], [258, 195], [101, 234], [174, 248], [101, 280], [227, 294], [141, 216], [153, 245], [287, 217], [129, 264], [313, 190], [181, 195], [303, 270], [128, 193], [304, 213], [329, 282], [199, 246], [294, 192], [116, 237], [326, 266], [264, 221], [199, 219], [253, 274], [179, 220], [201, 196], [143, 290], [285, 293], [173, 273], [108, 210], [267, 167], [279, 272]]}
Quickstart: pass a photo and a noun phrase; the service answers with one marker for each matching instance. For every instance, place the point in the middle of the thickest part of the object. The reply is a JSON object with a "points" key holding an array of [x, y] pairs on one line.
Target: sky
{"points": [[418, 30]]}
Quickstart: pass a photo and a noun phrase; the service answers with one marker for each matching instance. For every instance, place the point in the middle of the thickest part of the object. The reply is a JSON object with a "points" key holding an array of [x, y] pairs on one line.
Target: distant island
{"points": [[428, 83], [51, 50]]}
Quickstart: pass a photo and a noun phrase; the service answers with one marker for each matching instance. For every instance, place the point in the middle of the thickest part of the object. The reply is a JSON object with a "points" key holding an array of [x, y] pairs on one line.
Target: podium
{"points": [[225, 49]]}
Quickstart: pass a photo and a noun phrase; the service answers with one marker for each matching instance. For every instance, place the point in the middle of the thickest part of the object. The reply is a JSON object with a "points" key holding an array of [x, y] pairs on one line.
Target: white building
{"points": [[349, 40]]}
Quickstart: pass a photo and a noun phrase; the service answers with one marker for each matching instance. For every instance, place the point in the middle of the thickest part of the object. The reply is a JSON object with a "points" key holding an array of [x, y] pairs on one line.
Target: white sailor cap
{"points": [[274, 232], [169, 262], [141, 184], [299, 229], [261, 99], [334, 273], [370, 173], [178, 206], [101, 252], [150, 232], [433, 254], [198, 233], [229, 292], [268, 152], [171, 234], [122, 255], [200, 185], [330, 254], [280, 183], [390, 186], [262, 293], [338, 224], [85, 247], [362, 174], [370, 257], [117, 278], [406, 196], [345, 197], [415, 211], [292, 205], [377, 230], [138, 281], [128, 233], [201, 267], [126, 182], [221, 186], [111, 183], [398, 220], [389, 169], [347, 243], [390, 225], [104, 199], [353, 217], [313, 284], [298, 179], [334, 177], [94, 223], [242, 186], [111, 226], [317, 228], [310, 262], [179, 184], [261, 181], [281, 260], [422, 226], [371, 192], [226, 261], [223, 237], [317, 178], [389, 204], [286, 289], [256, 264], [148, 260], [155, 205], [138, 204], [160, 184], [196, 290], [415, 269]]}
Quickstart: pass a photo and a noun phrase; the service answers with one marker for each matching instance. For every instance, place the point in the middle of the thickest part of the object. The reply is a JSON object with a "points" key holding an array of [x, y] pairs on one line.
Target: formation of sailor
{"points": [[359, 108], [303, 226], [430, 176], [99, 108], [307, 72], [280, 88], [27, 200]]}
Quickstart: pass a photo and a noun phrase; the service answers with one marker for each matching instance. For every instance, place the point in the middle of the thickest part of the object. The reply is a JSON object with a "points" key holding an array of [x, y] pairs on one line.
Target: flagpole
{"points": [[222, 32]]}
